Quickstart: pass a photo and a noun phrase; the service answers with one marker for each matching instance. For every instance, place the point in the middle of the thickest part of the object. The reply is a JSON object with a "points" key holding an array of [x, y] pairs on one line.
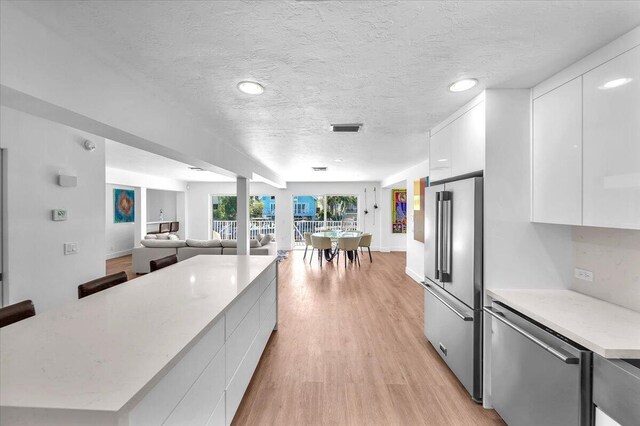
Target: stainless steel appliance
{"points": [[616, 389], [453, 277], [537, 377]]}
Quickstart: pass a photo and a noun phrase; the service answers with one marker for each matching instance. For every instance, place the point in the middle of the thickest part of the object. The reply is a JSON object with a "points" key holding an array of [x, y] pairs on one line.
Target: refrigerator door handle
{"points": [[462, 316], [438, 235], [446, 237], [558, 353]]}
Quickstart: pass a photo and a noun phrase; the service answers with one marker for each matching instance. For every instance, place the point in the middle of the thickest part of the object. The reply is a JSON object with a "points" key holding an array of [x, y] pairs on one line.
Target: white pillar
{"points": [[181, 214], [242, 214], [140, 215]]}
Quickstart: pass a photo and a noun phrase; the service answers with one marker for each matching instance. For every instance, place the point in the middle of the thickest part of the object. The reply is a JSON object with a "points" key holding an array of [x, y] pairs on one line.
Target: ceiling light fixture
{"points": [[443, 160], [251, 87], [462, 85], [338, 160], [615, 83]]}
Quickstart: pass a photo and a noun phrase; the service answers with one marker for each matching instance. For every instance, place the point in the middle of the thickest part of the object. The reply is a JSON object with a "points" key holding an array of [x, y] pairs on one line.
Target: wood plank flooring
{"points": [[349, 350]]}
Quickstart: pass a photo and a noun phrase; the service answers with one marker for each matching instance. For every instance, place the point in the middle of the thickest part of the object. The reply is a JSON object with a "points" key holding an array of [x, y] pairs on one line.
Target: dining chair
{"points": [[365, 242], [17, 312], [307, 243], [348, 224], [163, 262], [102, 283], [348, 244], [320, 244], [174, 227]]}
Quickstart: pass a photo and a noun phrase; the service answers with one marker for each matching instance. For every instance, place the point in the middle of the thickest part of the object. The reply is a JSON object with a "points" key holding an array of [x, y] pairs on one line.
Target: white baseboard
{"points": [[119, 254], [414, 276], [390, 249]]}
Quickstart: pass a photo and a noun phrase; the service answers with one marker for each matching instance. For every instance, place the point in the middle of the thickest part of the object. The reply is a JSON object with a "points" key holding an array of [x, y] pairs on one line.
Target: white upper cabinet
{"points": [[458, 147], [611, 143], [467, 149], [440, 154], [557, 155]]}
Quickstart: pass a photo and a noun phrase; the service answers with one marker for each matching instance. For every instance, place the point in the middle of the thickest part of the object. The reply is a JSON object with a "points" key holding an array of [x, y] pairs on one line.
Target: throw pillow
{"points": [[215, 235], [151, 237], [266, 240], [204, 243], [164, 236]]}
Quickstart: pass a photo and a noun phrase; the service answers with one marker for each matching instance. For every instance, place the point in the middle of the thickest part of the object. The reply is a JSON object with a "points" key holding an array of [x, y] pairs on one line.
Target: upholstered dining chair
{"points": [[100, 284], [163, 262], [365, 242], [320, 244], [16, 312], [307, 243], [348, 244]]}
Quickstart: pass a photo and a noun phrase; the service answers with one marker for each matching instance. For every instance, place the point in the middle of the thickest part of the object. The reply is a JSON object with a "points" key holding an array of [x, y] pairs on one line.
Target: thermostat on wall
{"points": [[59, 214]]}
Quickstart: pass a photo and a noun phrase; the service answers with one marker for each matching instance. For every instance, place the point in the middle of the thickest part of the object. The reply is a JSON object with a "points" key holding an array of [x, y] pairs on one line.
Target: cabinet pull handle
{"points": [[462, 316]]}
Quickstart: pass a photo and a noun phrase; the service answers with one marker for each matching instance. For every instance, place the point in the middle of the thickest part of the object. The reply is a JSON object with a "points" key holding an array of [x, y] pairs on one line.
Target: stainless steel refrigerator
{"points": [[453, 277]]}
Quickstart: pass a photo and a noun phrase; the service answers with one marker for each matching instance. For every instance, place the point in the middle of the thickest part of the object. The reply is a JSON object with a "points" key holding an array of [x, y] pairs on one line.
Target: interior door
{"points": [[462, 240], [431, 233]]}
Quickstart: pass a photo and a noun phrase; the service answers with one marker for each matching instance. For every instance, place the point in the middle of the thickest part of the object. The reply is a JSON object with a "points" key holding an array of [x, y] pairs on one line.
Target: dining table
{"points": [[334, 235]]}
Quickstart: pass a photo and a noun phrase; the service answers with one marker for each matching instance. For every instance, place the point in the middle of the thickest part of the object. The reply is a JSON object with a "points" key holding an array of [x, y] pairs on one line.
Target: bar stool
{"points": [[174, 227], [17, 312], [163, 262], [100, 284]]}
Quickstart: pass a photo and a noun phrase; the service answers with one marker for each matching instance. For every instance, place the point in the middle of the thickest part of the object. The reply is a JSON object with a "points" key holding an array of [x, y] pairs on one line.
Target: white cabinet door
{"points": [[557, 155], [611, 144], [467, 148], [440, 154]]}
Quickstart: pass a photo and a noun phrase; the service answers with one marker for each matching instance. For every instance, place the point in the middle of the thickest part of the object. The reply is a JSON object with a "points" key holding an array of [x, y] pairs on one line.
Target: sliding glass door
{"points": [[262, 213], [313, 213]]}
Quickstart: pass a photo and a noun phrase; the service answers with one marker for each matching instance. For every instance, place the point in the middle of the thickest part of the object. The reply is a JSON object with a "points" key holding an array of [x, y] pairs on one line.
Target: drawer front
{"points": [[198, 404], [238, 344], [239, 383], [217, 418], [452, 338], [266, 277], [616, 389], [237, 312], [156, 406], [269, 295]]}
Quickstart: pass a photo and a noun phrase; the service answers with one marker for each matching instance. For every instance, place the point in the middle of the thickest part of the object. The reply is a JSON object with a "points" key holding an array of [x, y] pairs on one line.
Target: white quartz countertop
{"points": [[103, 351], [607, 329]]}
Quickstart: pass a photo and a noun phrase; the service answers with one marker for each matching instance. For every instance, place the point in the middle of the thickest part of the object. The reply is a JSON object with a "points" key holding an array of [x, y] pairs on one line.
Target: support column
{"points": [[140, 215], [242, 214]]}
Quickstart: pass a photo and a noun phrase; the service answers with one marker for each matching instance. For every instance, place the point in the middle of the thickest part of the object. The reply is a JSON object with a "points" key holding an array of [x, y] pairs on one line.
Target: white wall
{"points": [[198, 210], [165, 200], [613, 255], [36, 267], [517, 253], [119, 237]]}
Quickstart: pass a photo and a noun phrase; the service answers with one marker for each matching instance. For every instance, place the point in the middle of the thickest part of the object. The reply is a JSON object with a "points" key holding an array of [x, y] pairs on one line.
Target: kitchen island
{"points": [[177, 346]]}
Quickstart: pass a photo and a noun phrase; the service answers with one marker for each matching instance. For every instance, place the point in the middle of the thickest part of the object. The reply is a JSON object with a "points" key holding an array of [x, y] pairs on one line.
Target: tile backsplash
{"points": [[613, 255]]}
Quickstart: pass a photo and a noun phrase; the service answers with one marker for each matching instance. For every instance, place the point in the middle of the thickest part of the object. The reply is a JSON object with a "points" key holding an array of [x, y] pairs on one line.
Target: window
{"points": [[300, 209], [262, 212]]}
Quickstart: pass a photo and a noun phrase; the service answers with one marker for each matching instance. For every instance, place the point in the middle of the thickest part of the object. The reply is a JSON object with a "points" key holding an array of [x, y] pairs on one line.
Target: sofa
{"points": [[155, 248]]}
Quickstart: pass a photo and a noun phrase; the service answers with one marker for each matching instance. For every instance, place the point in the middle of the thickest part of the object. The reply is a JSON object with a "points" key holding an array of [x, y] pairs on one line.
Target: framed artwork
{"points": [[419, 186], [399, 211], [123, 206]]}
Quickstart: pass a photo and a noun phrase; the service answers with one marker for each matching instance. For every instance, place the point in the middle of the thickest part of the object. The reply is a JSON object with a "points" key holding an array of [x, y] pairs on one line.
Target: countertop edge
{"points": [[604, 352]]}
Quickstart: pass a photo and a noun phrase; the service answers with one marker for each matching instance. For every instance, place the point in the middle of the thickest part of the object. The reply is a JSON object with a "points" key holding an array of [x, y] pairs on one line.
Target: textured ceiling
{"points": [[385, 64]]}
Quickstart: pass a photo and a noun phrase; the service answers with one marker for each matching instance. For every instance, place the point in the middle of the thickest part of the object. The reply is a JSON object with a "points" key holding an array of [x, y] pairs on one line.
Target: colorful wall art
{"points": [[123, 206], [399, 211]]}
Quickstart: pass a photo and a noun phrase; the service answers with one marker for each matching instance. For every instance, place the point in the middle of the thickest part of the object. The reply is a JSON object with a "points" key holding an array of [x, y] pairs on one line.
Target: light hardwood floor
{"points": [[350, 350]]}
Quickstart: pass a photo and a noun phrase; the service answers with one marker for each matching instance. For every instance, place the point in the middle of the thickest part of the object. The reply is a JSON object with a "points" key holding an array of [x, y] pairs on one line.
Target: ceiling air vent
{"points": [[320, 169], [346, 128]]}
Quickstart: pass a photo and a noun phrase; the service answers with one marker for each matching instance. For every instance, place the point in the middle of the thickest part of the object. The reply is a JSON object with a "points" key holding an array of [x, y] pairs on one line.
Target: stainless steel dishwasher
{"points": [[538, 378]]}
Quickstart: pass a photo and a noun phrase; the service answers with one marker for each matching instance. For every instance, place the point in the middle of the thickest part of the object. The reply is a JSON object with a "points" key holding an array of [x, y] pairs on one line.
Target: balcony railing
{"points": [[228, 229], [302, 226]]}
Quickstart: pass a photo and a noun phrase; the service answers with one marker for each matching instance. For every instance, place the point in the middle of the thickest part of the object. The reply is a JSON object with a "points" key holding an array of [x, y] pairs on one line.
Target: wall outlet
{"points": [[583, 274], [70, 248]]}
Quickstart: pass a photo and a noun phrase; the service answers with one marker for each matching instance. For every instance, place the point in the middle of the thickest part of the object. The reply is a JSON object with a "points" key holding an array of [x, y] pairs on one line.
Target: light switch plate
{"points": [[58, 214], [70, 248], [583, 274]]}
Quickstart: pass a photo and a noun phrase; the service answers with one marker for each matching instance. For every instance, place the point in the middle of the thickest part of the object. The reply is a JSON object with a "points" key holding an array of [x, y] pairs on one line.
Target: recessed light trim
{"points": [[615, 83], [251, 87], [462, 85], [442, 160], [338, 160]]}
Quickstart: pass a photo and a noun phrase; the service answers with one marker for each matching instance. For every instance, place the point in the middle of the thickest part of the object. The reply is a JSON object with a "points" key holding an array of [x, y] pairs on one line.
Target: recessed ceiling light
{"points": [[443, 160], [615, 83], [338, 160], [250, 87], [462, 85]]}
